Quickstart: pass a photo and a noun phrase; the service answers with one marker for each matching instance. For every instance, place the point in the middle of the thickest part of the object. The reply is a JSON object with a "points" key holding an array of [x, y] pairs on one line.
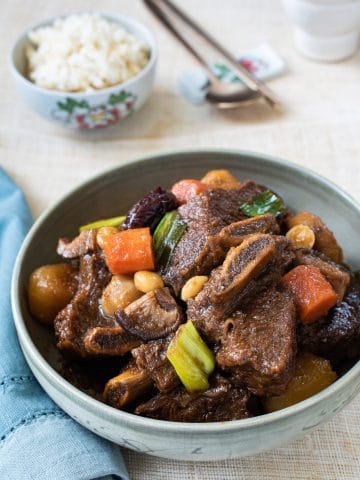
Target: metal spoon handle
{"points": [[249, 79]]}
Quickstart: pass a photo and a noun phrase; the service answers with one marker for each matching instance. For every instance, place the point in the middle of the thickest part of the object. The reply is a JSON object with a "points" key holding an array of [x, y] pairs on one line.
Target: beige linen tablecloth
{"points": [[320, 129]]}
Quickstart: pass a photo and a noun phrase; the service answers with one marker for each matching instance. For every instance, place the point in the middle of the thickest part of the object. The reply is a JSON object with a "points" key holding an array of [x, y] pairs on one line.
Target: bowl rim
{"points": [[122, 20], [119, 416]]}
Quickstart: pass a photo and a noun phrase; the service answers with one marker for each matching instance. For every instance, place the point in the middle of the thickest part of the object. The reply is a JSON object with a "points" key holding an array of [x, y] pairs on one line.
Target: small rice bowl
{"points": [[82, 53]]}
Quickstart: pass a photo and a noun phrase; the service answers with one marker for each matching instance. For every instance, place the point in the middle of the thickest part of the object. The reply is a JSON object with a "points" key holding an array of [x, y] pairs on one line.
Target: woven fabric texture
{"points": [[319, 129]]}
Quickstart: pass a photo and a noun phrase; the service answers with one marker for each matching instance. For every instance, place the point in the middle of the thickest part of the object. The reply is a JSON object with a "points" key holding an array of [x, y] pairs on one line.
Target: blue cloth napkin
{"points": [[38, 441]]}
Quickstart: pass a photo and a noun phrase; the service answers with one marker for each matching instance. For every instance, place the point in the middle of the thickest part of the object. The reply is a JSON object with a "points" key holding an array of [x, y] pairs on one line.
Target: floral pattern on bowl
{"points": [[81, 115]]}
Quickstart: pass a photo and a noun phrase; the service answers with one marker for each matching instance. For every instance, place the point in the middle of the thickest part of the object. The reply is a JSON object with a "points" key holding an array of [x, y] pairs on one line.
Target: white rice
{"points": [[84, 53]]}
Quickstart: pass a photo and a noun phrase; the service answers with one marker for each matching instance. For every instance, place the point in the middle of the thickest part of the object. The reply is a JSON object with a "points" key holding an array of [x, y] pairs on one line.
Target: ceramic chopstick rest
{"points": [[262, 61]]}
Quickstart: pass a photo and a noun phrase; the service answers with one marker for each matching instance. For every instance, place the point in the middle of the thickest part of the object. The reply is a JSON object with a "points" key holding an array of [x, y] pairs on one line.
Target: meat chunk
{"points": [[154, 315], [259, 261], [337, 275], [217, 208], [337, 336], [259, 343], [80, 245], [109, 341], [216, 246], [234, 234], [151, 357], [129, 386], [198, 252], [80, 326], [219, 403]]}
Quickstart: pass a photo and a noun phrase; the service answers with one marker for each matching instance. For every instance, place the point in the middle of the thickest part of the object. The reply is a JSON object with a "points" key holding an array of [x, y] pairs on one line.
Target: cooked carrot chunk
{"points": [[129, 251], [314, 295], [187, 188]]}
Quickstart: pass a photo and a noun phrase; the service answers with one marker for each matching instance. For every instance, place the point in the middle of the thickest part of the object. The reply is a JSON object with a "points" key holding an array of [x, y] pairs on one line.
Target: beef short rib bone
{"points": [[259, 261], [109, 341], [234, 234], [197, 252], [127, 387], [216, 246]]}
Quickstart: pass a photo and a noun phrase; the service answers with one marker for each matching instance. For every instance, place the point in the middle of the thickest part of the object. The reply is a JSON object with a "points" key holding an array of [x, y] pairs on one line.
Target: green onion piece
{"points": [[191, 358], [162, 230], [266, 202], [166, 236], [107, 222], [176, 231]]}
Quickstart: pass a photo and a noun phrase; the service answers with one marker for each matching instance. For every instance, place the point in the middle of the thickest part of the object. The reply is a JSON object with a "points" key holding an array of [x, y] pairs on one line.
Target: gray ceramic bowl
{"points": [[114, 192]]}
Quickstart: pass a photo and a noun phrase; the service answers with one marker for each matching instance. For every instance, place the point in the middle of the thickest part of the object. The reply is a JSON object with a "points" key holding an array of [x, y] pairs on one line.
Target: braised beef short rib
{"points": [[199, 251], [80, 327], [258, 344], [151, 357], [221, 402], [259, 261]]}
